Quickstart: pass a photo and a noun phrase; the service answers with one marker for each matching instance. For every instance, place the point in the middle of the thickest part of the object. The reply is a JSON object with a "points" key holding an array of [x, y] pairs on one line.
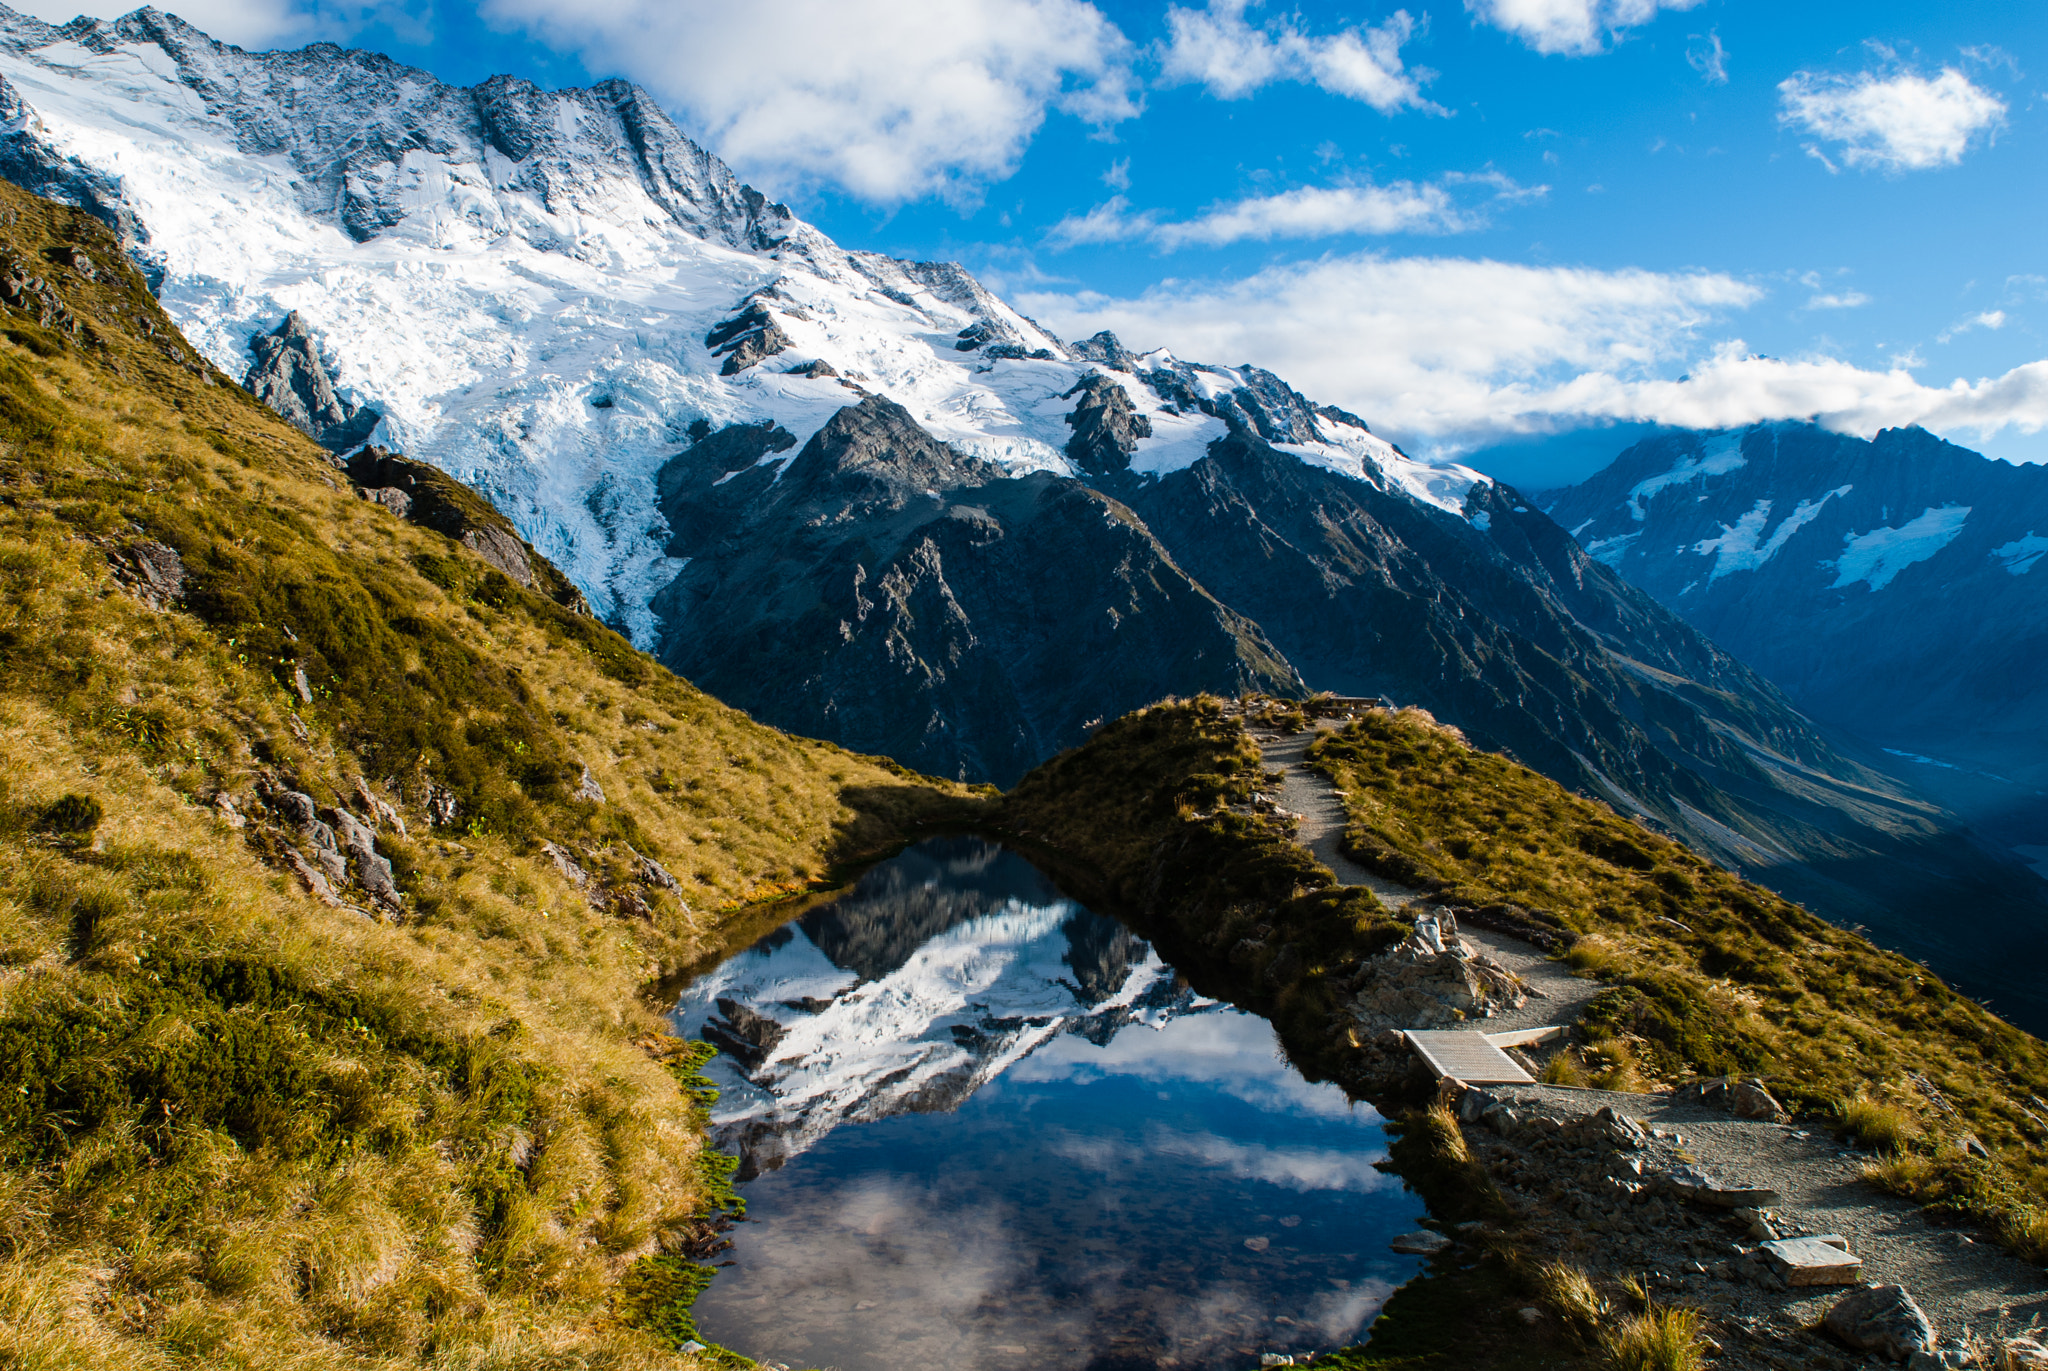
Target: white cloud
{"points": [[1450, 353], [1308, 212], [1217, 48], [1897, 122], [891, 99], [1570, 26], [1849, 299], [1993, 319], [1705, 55]]}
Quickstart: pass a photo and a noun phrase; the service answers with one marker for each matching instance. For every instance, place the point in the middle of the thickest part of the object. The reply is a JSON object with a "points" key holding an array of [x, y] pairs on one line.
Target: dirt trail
{"points": [[1966, 1285]]}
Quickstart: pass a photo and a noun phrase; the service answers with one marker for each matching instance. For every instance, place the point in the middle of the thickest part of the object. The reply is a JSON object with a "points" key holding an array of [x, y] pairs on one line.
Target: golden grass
{"points": [[1707, 974], [244, 1128], [1571, 1295], [1877, 1124], [1660, 1338]]}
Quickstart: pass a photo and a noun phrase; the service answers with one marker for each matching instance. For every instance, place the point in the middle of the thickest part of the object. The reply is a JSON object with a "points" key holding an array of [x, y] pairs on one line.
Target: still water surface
{"points": [[984, 1127]]}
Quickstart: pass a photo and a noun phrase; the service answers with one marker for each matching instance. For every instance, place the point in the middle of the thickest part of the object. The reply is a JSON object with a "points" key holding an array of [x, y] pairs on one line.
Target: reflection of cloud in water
{"points": [[1303, 1169], [1228, 1049], [879, 1274]]}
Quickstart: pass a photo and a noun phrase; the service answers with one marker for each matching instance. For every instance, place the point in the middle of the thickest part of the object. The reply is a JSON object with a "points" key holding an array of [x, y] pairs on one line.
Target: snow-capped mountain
{"points": [[937, 972], [523, 281], [865, 498], [1893, 586]]}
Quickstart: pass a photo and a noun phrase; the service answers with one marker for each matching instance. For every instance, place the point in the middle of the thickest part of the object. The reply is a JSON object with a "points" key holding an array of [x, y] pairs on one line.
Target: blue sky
{"points": [[1494, 227]]}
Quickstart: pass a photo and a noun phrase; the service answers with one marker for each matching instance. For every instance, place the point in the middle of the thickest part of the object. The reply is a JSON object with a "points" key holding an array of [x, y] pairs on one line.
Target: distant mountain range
{"points": [[866, 499], [1894, 587]]}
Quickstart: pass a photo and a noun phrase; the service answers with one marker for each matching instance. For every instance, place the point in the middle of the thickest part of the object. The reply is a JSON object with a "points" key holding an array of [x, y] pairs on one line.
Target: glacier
{"points": [[522, 281]]}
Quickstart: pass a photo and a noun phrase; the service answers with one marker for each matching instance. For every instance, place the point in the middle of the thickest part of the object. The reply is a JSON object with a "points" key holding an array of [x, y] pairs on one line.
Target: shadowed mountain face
{"points": [[1892, 587], [882, 589], [886, 592]]}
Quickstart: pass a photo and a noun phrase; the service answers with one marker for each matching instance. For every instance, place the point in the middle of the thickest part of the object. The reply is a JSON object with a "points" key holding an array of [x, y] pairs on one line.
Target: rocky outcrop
{"points": [[152, 572], [1432, 979], [748, 338], [1106, 426], [289, 376], [430, 497]]}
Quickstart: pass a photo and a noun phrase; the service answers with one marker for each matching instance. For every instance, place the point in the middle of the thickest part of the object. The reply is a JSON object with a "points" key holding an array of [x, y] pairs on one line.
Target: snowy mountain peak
{"points": [[523, 282]]}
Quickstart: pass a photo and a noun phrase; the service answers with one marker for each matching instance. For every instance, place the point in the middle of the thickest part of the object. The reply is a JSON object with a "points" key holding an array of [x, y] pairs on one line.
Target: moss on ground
{"points": [[242, 1127]]}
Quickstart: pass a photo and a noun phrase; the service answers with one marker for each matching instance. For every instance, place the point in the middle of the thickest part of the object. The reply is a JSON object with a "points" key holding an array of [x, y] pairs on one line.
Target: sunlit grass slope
{"points": [[1709, 974], [239, 1125]]}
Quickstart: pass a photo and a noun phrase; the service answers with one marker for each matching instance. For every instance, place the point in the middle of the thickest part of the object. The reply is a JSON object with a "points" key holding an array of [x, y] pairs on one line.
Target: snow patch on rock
{"points": [[1880, 555]]}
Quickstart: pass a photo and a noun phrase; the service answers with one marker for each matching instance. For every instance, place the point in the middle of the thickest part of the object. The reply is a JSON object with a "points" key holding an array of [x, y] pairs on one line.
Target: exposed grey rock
{"points": [[1106, 426], [152, 572], [748, 338], [314, 879], [1105, 349], [1421, 1243], [442, 808], [230, 813], [1746, 1099], [572, 871], [301, 684], [653, 873], [373, 871], [391, 497], [588, 789], [289, 376], [1883, 1319]]}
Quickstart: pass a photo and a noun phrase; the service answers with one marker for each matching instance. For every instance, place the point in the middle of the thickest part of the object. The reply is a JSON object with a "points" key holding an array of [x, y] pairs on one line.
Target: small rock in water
{"points": [[1276, 1359], [1881, 1319], [1259, 1245], [1420, 1244], [1530, 1315], [1291, 1221]]}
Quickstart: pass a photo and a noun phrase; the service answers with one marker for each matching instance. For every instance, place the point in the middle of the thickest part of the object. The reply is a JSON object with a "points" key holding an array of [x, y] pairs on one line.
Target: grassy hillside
{"points": [[242, 1124], [1710, 974]]}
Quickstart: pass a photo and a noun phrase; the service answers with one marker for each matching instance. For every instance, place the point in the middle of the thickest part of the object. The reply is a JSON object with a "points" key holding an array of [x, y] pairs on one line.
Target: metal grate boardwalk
{"points": [[1466, 1056]]}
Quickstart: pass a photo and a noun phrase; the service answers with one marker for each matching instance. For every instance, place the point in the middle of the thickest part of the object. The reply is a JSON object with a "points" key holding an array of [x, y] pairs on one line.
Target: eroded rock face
{"points": [[289, 376], [154, 573], [1107, 426]]}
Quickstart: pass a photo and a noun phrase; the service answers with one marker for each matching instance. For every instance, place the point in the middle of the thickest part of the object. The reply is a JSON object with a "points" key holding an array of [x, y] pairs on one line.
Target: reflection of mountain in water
{"points": [[904, 903], [936, 972]]}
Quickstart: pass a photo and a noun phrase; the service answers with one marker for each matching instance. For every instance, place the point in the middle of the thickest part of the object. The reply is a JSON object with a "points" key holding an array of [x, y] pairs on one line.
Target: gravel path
{"points": [[1964, 1283]]}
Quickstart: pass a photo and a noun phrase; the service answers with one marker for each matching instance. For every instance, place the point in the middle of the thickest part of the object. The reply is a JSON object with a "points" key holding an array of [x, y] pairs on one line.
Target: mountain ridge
{"points": [[584, 330]]}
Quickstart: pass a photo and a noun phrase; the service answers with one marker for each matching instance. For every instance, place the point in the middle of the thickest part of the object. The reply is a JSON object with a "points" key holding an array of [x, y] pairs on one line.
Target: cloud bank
{"points": [[1452, 353], [892, 99], [1306, 212], [1897, 122]]}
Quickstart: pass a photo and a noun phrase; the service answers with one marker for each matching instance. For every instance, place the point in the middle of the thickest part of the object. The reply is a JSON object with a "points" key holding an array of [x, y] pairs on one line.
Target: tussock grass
{"points": [[239, 1127], [1659, 1338], [1878, 1125], [1570, 1294]]}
